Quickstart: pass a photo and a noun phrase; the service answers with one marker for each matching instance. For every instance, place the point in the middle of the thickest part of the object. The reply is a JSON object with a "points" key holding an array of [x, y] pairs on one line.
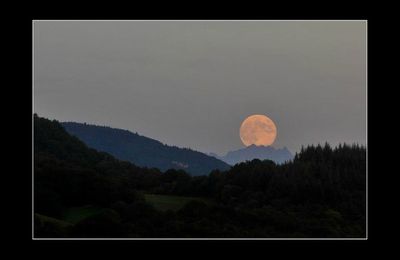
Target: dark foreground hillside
{"points": [[79, 192]]}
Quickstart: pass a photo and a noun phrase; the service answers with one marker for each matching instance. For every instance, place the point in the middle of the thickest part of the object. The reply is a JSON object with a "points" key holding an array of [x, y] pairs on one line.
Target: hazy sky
{"points": [[192, 83]]}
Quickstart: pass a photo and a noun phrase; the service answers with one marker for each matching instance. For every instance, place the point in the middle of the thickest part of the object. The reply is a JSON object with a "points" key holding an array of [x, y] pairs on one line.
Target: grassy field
{"points": [[166, 202], [161, 202], [76, 214], [54, 221]]}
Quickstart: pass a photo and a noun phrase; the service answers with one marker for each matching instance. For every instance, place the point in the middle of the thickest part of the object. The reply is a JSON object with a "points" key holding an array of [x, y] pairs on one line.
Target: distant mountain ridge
{"points": [[143, 151], [256, 152]]}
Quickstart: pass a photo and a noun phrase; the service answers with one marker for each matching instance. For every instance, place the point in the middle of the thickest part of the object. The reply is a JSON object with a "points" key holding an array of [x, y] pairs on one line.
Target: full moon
{"points": [[258, 130]]}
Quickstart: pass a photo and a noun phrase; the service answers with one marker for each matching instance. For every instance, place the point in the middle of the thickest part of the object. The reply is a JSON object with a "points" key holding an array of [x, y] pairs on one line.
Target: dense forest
{"points": [[320, 193], [143, 151]]}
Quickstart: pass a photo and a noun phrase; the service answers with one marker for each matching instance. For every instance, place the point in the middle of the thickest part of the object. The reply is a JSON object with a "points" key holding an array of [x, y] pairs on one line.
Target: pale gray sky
{"points": [[192, 83]]}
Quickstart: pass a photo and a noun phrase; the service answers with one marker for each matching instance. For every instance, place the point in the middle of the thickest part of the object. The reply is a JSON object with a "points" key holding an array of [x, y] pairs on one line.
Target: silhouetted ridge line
{"points": [[143, 151], [257, 152]]}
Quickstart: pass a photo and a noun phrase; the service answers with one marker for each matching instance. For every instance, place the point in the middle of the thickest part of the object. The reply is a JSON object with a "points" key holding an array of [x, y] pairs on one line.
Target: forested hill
{"points": [[143, 151], [320, 193], [68, 173]]}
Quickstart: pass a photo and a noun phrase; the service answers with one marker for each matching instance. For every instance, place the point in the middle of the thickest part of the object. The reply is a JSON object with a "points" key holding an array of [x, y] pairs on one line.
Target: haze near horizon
{"points": [[192, 83]]}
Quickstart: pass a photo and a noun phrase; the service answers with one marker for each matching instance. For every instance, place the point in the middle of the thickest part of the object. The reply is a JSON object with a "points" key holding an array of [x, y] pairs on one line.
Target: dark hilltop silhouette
{"points": [[83, 193], [143, 151]]}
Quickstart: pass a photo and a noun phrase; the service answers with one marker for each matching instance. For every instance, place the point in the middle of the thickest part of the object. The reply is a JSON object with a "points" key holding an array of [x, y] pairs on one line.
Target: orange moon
{"points": [[258, 130]]}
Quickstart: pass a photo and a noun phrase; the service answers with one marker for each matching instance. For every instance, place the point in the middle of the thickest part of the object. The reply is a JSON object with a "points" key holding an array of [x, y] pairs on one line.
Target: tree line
{"points": [[320, 193]]}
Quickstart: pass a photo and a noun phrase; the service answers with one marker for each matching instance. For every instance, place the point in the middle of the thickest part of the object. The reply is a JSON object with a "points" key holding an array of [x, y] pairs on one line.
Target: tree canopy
{"points": [[321, 193]]}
